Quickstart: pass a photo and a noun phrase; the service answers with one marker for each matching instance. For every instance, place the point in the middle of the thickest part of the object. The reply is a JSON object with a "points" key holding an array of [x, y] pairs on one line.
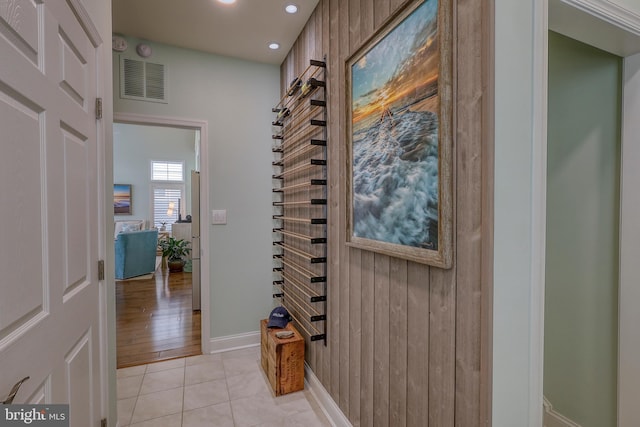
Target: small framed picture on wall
{"points": [[122, 199]]}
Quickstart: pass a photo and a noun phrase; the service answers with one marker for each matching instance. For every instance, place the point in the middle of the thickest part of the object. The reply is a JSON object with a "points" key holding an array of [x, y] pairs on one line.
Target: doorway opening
{"points": [[583, 210], [161, 315], [584, 164]]}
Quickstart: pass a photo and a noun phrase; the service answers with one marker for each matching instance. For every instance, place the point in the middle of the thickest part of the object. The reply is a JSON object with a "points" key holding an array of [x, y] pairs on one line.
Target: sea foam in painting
{"points": [[395, 110]]}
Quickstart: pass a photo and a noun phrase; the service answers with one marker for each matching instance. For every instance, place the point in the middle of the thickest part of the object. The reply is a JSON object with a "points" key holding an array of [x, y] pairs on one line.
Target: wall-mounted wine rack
{"points": [[300, 201]]}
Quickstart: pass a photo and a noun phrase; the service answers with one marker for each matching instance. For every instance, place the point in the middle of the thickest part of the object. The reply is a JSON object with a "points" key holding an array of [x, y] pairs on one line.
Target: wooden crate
{"points": [[282, 359]]}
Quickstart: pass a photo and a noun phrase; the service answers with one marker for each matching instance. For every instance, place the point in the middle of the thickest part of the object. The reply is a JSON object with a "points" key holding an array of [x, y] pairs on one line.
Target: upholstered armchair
{"points": [[135, 253]]}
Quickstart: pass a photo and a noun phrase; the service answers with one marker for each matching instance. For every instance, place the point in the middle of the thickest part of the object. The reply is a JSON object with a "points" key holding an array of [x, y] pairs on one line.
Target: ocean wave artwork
{"points": [[394, 141]]}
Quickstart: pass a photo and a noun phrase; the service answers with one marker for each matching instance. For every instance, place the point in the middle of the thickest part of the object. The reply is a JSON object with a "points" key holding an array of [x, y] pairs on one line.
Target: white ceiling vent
{"points": [[143, 80]]}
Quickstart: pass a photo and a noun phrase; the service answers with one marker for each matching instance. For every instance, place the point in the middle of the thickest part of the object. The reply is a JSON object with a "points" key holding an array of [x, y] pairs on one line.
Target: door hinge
{"points": [[103, 422], [98, 108], [101, 270]]}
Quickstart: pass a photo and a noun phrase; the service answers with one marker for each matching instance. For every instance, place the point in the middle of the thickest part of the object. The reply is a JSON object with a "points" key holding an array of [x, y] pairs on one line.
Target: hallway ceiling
{"points": [[242, 30]]}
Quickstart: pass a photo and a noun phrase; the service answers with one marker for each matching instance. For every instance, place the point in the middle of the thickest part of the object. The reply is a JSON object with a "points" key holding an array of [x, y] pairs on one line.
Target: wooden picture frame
{"points": [[122, 199], [399, 136]]}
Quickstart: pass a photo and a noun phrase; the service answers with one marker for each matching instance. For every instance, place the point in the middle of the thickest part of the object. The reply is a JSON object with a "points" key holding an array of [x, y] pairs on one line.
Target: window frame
{"points": [[155, 184]]}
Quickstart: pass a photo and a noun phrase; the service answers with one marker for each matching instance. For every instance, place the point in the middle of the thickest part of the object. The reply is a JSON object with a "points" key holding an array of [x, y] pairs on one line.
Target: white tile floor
{"points": [[219, 390]]}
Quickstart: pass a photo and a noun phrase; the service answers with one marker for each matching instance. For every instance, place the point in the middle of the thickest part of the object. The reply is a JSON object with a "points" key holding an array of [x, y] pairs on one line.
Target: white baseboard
{"points": [[331, 410], [234, 342], [556, 419]]}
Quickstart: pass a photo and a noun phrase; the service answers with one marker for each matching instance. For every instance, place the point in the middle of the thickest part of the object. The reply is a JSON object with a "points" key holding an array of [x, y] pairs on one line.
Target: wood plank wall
{"points": [[408, 344]]}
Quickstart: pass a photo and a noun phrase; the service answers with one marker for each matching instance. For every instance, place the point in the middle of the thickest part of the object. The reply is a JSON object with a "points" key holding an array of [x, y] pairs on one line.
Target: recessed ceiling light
{"points": [[274, 45], [291, 8], [227, 1]]}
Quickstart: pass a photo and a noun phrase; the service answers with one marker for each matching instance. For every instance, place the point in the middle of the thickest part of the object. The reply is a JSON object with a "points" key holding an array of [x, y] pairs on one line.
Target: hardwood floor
{"points": [[154, 320]]}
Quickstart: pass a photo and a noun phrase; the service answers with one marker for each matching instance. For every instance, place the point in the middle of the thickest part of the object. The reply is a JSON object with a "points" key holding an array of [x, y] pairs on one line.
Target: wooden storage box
{"points": [[282, 359]]}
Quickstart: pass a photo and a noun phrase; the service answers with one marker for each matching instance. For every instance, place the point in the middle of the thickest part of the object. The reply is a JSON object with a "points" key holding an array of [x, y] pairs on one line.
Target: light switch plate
{"points": [[219, 216]]}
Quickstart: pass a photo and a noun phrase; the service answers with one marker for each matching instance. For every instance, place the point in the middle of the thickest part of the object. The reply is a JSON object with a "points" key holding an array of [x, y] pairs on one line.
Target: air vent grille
{"points": [[143, 80], [133, 78], [155, 81]]}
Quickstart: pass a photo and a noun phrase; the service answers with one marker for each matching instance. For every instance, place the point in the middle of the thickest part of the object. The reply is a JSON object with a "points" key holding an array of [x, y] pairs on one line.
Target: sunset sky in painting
{"points": [[405, 59], [121, 192]]}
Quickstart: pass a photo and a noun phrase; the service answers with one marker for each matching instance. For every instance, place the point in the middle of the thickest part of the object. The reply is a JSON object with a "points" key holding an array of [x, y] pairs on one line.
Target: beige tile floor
{"points": [[218, 390]]}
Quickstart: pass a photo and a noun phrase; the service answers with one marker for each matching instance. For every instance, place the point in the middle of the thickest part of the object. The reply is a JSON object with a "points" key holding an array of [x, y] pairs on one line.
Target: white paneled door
{"points": [[49, 289]]}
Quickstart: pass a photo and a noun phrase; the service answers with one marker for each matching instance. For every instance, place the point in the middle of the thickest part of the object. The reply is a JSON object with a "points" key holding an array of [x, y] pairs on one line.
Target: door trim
{"points": [[93, 33], [629, 342], [538, 211], [205, 279]]}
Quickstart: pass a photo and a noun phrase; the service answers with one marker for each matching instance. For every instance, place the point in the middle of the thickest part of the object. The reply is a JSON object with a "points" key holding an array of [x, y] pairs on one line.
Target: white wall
{"points": [[514, 145], [632, 6], [134, 146], [235, 97]]}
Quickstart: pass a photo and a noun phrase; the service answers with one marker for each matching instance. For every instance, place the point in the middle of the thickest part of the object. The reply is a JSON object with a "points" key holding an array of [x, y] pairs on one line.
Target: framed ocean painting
{"points": [[399, 136], [122, 199]]}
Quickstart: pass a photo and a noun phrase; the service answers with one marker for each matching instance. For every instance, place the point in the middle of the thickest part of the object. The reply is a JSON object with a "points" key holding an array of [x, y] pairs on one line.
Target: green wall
{"points": [[235, 98], [581, 296]]}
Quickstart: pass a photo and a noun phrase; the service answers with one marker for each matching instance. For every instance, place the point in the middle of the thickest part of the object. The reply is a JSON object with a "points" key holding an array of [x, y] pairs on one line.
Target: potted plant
{"points": [[174, 250]]}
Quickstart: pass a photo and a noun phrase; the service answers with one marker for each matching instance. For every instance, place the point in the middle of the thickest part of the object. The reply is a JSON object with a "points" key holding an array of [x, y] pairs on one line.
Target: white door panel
{"points": [[21, 304], [49, 295], [19, 25]]}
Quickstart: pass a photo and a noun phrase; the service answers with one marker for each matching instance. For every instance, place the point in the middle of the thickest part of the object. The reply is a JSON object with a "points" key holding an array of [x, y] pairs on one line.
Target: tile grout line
{"points": [[138, 395], [184, 386], [253, 360], [140, 390], [226, 383]]}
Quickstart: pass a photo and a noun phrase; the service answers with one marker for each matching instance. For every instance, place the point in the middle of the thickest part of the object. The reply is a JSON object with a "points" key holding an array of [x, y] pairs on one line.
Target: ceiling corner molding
{"points": [[609, 12]]}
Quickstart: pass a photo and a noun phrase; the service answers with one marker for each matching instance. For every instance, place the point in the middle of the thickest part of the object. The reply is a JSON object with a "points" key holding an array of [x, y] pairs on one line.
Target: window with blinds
{"points": [[167, 192], [167, 171]]}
